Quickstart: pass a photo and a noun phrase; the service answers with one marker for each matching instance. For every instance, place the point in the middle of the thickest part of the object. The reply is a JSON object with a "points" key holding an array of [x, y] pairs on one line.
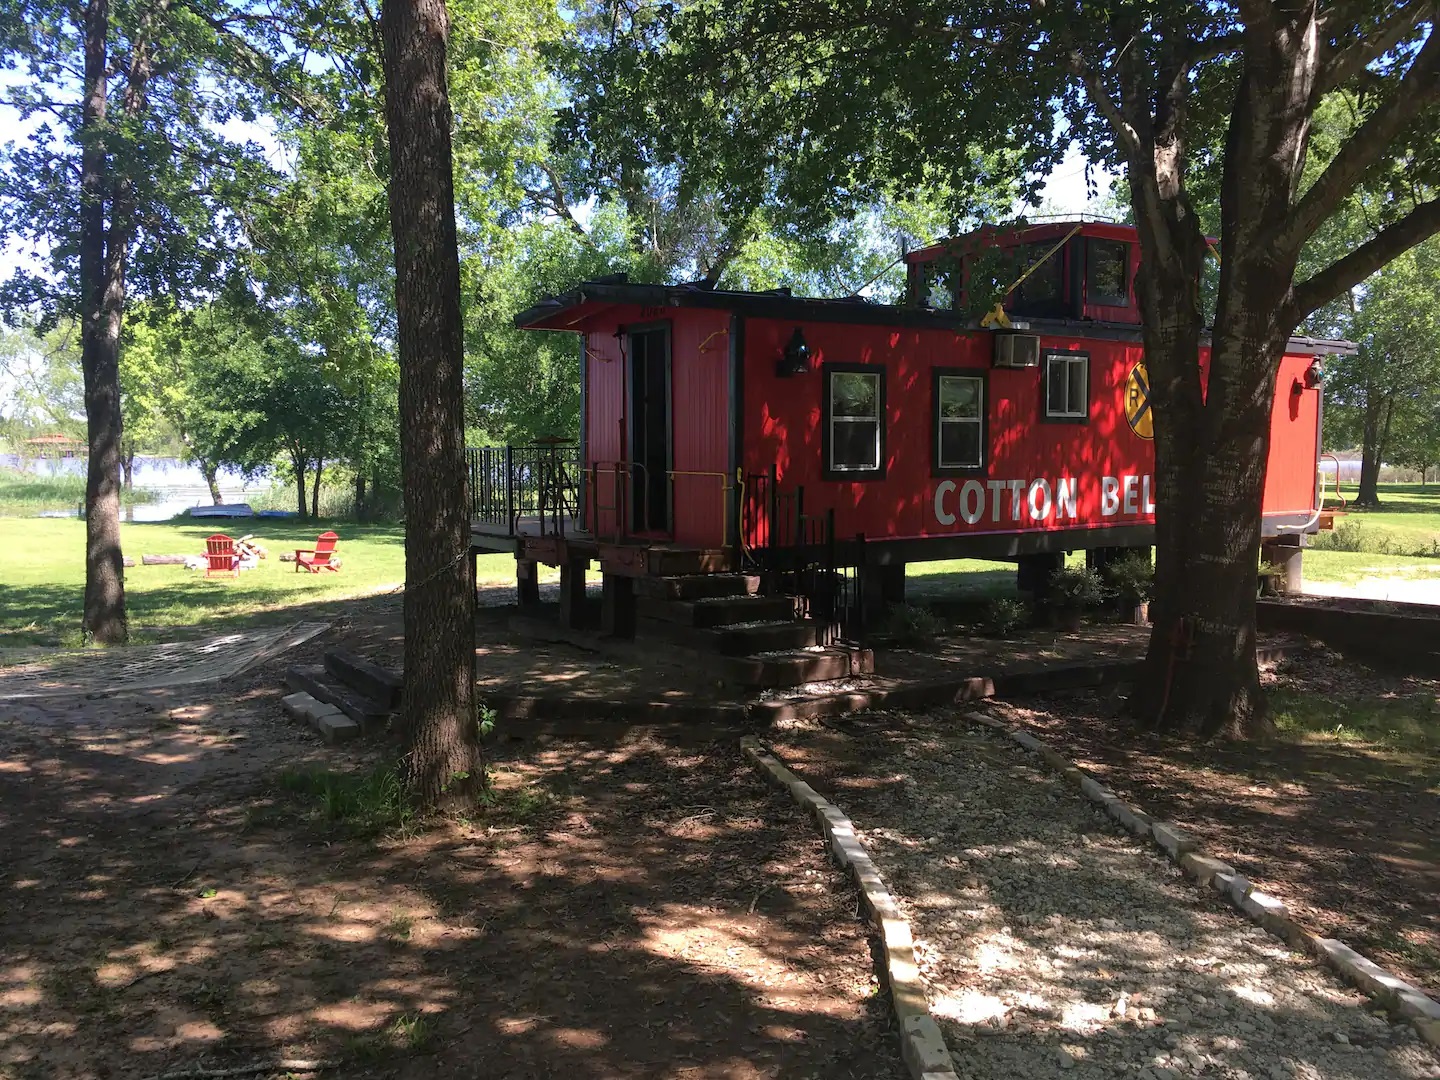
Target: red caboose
{"points": [[718, 427]]}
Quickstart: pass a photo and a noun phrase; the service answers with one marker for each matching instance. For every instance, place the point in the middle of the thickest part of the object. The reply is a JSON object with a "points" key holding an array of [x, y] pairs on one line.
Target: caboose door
{"points": [[650, 429]]}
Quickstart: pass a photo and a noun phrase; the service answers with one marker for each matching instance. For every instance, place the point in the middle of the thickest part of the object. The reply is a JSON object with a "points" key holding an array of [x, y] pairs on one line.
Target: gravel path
{"points": [[1053, 944]]}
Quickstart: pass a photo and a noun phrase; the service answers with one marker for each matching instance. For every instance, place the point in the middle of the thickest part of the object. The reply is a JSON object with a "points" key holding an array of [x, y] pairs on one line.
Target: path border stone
{"points": [[922, 1046], [1396, 995]]}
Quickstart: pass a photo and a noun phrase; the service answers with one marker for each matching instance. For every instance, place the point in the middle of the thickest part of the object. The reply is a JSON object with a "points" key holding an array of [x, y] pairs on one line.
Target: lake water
{"points": [[178, 485]]}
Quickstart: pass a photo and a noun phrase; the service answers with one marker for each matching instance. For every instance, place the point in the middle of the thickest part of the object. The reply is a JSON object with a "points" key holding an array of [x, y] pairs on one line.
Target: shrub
{"points": [[1132, 577], [1076, 587], [1006, 614], [910, 624]]}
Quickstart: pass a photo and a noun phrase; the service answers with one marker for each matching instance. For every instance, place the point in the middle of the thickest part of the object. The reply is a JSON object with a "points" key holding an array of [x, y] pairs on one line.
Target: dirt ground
{"points": [[633, 905], [1347, 836]]}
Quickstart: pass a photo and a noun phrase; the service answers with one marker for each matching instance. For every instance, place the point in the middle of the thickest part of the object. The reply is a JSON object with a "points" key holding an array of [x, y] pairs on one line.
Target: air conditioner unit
{"points": [[1017, 350]]}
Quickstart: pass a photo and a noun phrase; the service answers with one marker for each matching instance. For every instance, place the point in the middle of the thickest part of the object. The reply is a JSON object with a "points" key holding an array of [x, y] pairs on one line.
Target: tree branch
{"points": [[1393, 241], [1348, 61], [1419, 89]]}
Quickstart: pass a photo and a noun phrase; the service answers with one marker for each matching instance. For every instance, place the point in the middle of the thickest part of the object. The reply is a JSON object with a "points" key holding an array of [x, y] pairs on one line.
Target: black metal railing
{"points": [[509, 484], [797, 553]]}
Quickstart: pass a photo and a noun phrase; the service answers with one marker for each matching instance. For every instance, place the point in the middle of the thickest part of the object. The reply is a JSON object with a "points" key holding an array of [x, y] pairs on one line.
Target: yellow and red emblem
{"points": [[1137, 402]]}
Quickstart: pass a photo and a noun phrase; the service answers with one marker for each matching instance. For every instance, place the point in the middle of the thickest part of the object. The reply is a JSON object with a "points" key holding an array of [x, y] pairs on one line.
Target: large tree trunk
{"points": [[101, 297], [359, 495], [443, 758], [297, 464], [127, 469], [212, 480], [315, 488], [1371, 447]]}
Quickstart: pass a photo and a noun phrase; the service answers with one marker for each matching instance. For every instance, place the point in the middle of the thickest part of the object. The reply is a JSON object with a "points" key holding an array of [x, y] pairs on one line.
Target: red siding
{"points": [[1031, 463], [1294, 425], [700, 397], [700, 416]]}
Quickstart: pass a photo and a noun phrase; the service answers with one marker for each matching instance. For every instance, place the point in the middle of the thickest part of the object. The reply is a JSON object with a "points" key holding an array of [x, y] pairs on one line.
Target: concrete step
{"points": [[718, 611], [312, 679], [697, 586], [370, 680], [737, 640], [797, 667]]}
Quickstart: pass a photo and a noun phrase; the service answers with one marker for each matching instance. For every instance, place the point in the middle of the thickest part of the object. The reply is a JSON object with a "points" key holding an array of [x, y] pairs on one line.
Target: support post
{"points": [[573, 604], [1286, 557], [527, 583], [1032, 572], [617, 605]]}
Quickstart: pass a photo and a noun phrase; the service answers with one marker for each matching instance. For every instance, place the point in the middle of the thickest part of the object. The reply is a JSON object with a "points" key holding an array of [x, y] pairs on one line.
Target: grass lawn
{"points": [[42, 576]]}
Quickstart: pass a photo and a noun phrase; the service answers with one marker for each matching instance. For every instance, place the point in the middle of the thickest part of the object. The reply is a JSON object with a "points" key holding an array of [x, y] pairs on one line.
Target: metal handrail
{"points": [[725, 488]]}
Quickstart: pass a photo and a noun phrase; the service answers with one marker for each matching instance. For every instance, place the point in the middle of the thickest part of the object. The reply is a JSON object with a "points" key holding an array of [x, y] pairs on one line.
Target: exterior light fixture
{"points": [[1313, 379], [796, 358]]}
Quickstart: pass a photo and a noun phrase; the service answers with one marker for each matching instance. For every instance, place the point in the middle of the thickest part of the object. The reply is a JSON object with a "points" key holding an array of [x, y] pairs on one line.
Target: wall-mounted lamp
{"points": [[1313, 378], [796, 358]]}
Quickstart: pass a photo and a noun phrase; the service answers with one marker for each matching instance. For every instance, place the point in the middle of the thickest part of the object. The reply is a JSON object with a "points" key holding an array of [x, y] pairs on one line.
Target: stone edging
{"points": [[1396, 995], [921, 1043]]}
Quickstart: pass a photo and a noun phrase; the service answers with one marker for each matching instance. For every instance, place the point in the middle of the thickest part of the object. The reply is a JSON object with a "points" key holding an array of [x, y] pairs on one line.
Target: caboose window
{"points": [[959, 421], [1067, 386], [1107, 272], [854, 421]]}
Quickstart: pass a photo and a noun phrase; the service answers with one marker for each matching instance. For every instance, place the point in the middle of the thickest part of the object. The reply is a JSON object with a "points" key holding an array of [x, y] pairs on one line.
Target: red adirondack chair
{"points": [[220, 556], [318, 558]]}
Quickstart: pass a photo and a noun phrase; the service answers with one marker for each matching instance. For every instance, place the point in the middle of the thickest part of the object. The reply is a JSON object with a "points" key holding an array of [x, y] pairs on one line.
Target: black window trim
{"points": [[936, 468], [850, 475], [1045, 415], [1122, 299]]}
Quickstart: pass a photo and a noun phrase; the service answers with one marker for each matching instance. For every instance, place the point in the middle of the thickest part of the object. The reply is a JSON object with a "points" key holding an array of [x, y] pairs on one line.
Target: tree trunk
{"points": [[101, 296], [1370, 449], [211, 474], [127, 470], [315, 488], [297, 462], [359, 495], [443, 759]]}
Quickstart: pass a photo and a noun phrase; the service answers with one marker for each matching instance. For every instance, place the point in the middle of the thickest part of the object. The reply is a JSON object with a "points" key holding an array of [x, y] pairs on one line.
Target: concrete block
{"points": [[1265, 909], [337, 728], [1175, 842], [1136, 821], [923, 1047], [1414, 1005], [1365, 974], [1429, 1031], [1025, 739], [294, 704], [1057, 761], [1096, 791], [1203, 868]]}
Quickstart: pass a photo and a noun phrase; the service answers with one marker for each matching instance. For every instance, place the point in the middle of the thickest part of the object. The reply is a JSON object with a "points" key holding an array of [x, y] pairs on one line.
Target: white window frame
{"points": [[878, 419], [941, 420], [1064, 362]]}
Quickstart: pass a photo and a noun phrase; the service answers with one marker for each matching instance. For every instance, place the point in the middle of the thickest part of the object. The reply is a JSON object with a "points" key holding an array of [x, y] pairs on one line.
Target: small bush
{"points": [[1352, 535], [1132, 578], [366, 803], [1006, 614], [1076, 587], [910, 624]]}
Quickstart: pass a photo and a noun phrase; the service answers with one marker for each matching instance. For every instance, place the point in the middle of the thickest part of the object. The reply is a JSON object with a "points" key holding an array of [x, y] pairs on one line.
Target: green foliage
{"points": [[42, 370], [1132, 577], [911, 625], [25, 494], [363, 804], [1006, 614], [1076, 587], [1351, 534]]}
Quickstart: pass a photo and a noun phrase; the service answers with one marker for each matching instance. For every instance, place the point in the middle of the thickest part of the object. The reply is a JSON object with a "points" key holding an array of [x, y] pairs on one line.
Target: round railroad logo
{"points": [[1137, 402]]}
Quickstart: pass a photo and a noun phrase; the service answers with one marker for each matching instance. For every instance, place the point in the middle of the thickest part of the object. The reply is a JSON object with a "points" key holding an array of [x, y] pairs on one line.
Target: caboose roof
{"points": [[589, 300]]}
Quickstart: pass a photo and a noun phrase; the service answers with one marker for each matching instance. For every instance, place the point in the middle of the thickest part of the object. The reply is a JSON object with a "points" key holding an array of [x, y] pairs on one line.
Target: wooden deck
{"points": [[497, 536]]}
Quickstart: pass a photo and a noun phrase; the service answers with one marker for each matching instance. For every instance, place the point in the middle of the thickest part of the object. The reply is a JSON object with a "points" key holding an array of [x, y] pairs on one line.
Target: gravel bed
{"points": [[1054, 944]]}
